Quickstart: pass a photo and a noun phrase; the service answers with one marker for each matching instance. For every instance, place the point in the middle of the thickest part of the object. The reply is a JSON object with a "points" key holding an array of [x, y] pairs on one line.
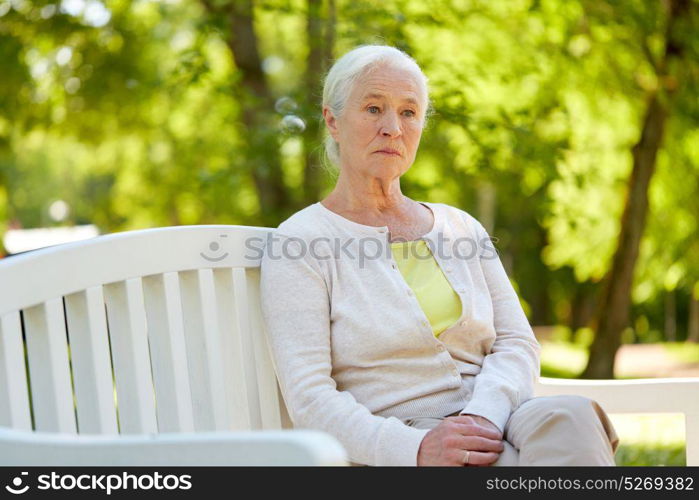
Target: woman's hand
{"points": [[446, 444], [485, 423]]}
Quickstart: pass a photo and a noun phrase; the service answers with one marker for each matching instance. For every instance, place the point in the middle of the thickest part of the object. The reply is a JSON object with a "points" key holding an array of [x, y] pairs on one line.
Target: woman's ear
{"points": [[330, 122]]}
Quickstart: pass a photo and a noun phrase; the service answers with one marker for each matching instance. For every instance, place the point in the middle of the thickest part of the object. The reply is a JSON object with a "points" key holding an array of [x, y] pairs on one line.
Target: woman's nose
{"points": [[391, 125]]}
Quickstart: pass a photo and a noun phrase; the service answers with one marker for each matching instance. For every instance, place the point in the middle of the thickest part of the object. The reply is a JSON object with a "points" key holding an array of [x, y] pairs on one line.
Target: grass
{"points": [[644, 440], [650, 439], [646, 456]]}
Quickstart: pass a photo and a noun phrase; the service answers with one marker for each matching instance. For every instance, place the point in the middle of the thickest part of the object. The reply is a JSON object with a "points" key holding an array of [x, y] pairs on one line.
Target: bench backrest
{"points": [[146, 331]]}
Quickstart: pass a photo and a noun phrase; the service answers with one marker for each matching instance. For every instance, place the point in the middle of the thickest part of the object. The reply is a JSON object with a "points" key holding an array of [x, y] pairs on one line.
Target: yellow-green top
{"points": [[440, 303]]}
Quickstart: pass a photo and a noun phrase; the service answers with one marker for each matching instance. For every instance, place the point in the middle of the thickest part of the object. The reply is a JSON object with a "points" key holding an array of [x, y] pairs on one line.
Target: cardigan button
{"points": [[464, 323], [409, 292]]}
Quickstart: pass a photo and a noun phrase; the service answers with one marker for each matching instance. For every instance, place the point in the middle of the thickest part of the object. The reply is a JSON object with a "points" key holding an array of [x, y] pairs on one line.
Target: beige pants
{"points": [[552, 430]]}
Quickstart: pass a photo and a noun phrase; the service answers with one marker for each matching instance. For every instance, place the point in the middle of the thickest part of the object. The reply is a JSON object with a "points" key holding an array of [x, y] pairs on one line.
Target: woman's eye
{"points": [[373, 109], [409, 112]]}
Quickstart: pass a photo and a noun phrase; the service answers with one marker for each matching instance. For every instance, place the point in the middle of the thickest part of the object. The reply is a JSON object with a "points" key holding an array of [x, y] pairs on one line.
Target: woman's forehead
{"points": [[409, 97], [389, 82]]}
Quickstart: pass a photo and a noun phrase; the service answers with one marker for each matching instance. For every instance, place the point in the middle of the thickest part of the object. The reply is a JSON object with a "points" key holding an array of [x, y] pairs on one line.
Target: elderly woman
{"points": [[392, 323]]}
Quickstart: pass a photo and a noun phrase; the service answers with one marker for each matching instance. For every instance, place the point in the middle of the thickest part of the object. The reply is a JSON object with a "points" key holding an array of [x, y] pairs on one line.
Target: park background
{"points": [[570, 129]]}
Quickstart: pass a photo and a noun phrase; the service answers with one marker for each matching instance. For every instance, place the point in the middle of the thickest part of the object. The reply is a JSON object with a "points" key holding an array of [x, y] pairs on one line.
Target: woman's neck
{"points": [[371, 198]]}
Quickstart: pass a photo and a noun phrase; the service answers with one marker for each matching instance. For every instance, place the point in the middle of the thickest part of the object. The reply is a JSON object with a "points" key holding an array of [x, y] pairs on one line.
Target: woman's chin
{"points": [[389, 171], [387, 162]]}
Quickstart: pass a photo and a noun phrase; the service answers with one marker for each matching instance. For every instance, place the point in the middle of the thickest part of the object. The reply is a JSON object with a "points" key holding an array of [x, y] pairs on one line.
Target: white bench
{"points": [[147, 348]]}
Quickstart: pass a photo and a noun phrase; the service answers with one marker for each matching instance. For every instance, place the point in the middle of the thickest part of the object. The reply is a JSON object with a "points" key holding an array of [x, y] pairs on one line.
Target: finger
{"points": [[476, 443], [468, 419], [474, 429], [480, 458], [479, 443]]}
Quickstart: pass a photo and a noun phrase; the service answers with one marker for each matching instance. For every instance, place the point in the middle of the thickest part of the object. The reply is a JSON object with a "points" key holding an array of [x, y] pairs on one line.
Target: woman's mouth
{"points": [[390, 152]]}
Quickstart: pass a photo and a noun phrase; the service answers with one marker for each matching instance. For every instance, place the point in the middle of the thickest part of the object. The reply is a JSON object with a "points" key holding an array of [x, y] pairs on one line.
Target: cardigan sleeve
{"points": [[296, 313], [511, 369]]}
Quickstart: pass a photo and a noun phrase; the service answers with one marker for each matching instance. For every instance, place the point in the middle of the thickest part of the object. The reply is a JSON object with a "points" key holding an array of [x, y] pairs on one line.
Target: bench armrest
{"points": [[284, 447], [645, 395]]}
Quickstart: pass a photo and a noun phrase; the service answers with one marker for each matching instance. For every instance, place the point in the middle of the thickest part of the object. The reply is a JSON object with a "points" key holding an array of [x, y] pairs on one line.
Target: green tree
{"points": [[670, 71]]}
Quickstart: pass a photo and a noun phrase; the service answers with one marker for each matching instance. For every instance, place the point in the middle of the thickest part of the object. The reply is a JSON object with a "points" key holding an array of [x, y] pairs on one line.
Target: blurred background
{"points": [[570, 129]]}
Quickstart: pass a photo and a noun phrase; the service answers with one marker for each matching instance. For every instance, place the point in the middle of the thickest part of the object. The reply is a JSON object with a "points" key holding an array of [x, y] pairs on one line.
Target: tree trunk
{"points": [[693, 323], [613, 315], [321, 38], [670, 316], [582, 307], [486, 197], [257, 103], [542, 312]]}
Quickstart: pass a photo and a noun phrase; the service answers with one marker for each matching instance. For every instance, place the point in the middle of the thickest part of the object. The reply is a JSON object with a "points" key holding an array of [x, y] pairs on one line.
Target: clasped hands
{"points": [[447, 443]]}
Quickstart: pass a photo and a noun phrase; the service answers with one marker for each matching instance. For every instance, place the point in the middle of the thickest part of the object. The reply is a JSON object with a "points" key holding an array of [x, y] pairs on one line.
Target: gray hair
{"points": [[349, 68]]}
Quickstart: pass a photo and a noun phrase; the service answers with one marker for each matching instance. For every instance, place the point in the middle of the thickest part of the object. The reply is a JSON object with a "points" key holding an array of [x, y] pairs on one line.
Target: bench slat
{"points": [[14, 394], [204, 350], [91, 363], [168, 353], [132, 369], [247, 346], [49, 372], [267, 381], [234, 356]]}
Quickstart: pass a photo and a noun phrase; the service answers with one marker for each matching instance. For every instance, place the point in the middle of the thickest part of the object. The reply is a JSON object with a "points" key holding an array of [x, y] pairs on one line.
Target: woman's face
{"points": [[380, 128]]}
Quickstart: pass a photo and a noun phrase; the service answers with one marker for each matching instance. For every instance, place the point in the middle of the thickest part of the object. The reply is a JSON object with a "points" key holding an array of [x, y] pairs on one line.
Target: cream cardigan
{"points": [[355, 353]]}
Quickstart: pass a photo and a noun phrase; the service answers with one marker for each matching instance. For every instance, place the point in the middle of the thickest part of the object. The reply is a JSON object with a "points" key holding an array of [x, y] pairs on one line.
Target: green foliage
{"points": [[683, 352], [562, 359]]}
